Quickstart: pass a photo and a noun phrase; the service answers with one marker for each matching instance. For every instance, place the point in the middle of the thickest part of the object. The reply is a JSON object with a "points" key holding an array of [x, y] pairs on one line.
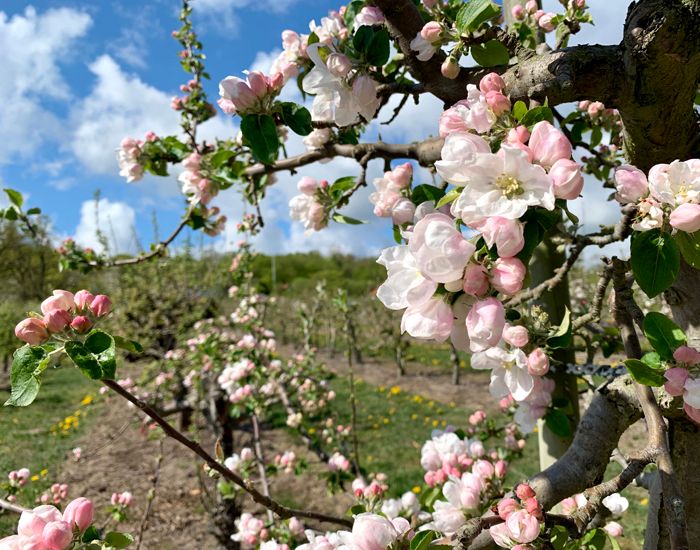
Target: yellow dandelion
{"points": [[414, 416], [312, 431], [431, 404], [395, 390], [435, 423], [35, 478], [463, 363], [385, 420], [644, 501], [44, 472], [416, 489], [86, 400]]}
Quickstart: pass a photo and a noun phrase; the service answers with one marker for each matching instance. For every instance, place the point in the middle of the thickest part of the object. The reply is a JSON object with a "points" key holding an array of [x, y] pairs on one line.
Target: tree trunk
{"points": [[454, 359]]}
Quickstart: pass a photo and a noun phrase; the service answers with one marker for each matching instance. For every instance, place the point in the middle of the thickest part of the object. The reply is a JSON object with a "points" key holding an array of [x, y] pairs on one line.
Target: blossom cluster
{"points": [[253, 95], [46, 528], [683, 380], [63, 314], [307, 207], [669, 195]]}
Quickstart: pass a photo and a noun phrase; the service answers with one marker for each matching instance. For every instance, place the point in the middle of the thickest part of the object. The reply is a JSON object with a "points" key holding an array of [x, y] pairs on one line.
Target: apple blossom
{"points": [[472, 113], [459, 153], [545, 22], [371, 532], [492, 82], [403, 211], [424, 47], [676, 183], [81, 324], [503, 185], [687, 355], [405, 284], [507, 275], [431, 320], [509, 372], [548, 144], [369, 15], [60, 299], [614, 529], [485, 324], [631, 184], [56, 320], [650, 215], [101, 305], [686, 217], [616, 503], [497, 102], [516, 335], [520, 527], [475, 281], [57, 535], [505, 233], [537, 362], [32, 331], [567, 179], [450, 68]]}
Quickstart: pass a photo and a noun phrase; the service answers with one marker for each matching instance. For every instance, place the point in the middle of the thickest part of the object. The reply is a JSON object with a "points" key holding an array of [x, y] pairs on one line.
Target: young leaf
{"points": [[490, 54], [422, 540], [562, 337], [474, 13], [340, 218], [451, 195], [426, 192], [96, 357], [519, 110], [378, 50], [664, 335], [655, 261], [26, 363], [260, 133], [644, 374], [362, 39], [297, 117], [15, 197], [535, 115], [118, 540]]}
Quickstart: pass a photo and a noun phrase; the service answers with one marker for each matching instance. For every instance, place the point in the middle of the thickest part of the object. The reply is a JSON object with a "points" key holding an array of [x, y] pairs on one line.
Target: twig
{"points": [[594, 314], [260, 458], [151, 493], [282, 511], [10, 507]]}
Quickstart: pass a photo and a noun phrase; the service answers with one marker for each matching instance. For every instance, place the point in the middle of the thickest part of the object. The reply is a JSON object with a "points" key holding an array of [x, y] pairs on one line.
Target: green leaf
{"points": [[557, 421], [474, 13], [450, 196], [559, 537], [490, 54], [562, 337], [689, 245], [10, 213], [643, 373], [90, 534], [297, 117], [398, 239], [128, 345], [519, 110], [537, 222], [220, 158], [573, 218], [24, 377], [426, 192], [351, 11], [118, 540], [362, 39], [664, 335], [379, 50], [652, 359], [340, 218], [423, 539], [537, 114], [655, 261], [341, 185], [33, 211], [15, 197], [96, 357], [260, 132]]}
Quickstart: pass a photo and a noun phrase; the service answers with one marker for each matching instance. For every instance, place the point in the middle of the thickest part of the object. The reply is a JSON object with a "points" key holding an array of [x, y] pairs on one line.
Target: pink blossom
{"points": [[307, 185], [537, 362], [687, 355], [548, 144], [531, 6], [614, 529], [101, 305], [545, 22], [430, 320], [505, 233], [567, 178], [498, 103], [595, 108], [459, 152], [81, 324], [686, 217], [61, 299], [485, 323], [507, 275], [519, 134], [450, 68], [33, 522], [57, 319], [517, 12], [369, 15], [506, 507], [676, 378], [440, 250], [492, 82], [631, 184], [57, 535], [370, 532], [402, 211], [32, 331], [338, 64], [516, 335], [476, 282], [520, 527], [524, 491], [431, 31], [83, 299]]}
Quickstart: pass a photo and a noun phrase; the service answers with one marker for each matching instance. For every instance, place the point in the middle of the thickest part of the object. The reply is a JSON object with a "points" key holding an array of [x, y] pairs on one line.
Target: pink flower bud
{"points": [[257, 83], [548, 144], [476, 282], [485, 323], [519, 134], [583, 105], [400, 177], [545, 22], [402, 211], [370, 15], [686, 217], [57, 535], [595, 108], [506, 234], [81, 324], [516, 335], [61, 299], [56, 320], [537, 362], [247, 454], [613, 529], [176, 104], [307, 185], [32, 331], [498, 103], [500, 469], [538, 14], [431, 31], [531, 6], [275, 82], [79, 512], [676, 378], [517, 12], [524, 491], [83, 299], [492, 82], [338, 64], [101, 305], [506, 507], [507, 275], [631, 184], [567, 179], [477, 417], [687, 355], [450, 68]]}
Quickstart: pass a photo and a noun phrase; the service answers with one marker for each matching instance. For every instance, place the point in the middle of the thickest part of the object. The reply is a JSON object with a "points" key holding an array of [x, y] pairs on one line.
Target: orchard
{"points": [[575, 371]]}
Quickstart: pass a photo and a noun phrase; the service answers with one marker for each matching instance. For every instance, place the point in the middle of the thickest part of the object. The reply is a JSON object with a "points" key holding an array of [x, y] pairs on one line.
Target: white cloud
{"points": [[222, 14], [119, 105], [114, 220], [32, 47]]}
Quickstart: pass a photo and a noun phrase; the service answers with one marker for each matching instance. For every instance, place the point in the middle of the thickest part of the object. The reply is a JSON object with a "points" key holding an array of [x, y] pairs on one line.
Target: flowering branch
{"points": [[279, 509]]}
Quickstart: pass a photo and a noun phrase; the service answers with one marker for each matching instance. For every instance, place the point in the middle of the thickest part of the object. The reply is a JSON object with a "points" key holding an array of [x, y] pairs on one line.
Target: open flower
{"points": [[509, 372]]}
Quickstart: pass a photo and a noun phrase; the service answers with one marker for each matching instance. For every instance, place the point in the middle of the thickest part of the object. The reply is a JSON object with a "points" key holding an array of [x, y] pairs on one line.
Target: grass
{"points": [[40, 436]]}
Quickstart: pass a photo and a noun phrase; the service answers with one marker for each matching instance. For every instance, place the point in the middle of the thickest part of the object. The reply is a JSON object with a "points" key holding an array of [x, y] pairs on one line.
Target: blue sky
{"points": [[78, 76]]}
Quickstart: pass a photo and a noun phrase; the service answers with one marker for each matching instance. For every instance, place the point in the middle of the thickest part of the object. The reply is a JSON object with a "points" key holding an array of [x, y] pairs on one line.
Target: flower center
{"points": [[509, 186]]}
